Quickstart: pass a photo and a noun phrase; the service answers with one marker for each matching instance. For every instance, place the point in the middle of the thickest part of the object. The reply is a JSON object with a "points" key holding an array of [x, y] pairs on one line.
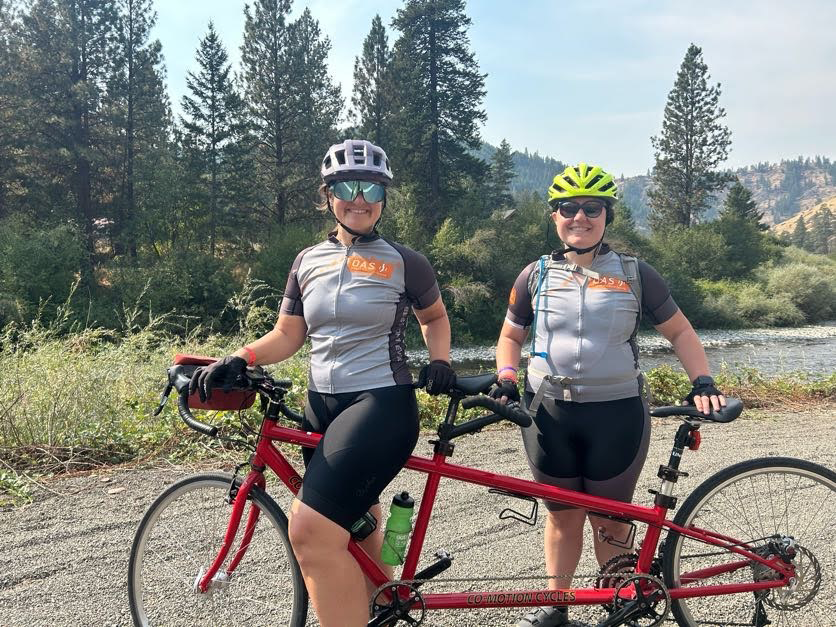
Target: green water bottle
{"points": [[398, 528]]}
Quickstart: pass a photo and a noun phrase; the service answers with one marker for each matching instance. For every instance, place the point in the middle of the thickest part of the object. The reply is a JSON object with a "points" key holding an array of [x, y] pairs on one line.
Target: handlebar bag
{"points": [[222, 400]]}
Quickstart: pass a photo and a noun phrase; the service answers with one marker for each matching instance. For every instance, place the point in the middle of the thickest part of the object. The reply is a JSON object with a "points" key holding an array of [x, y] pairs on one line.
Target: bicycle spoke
{"points": [[184, 538], [768, 502]]}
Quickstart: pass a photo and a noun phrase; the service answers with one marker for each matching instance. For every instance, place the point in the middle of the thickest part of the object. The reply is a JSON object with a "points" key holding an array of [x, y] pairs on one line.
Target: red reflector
{"points": [[696, 438]]}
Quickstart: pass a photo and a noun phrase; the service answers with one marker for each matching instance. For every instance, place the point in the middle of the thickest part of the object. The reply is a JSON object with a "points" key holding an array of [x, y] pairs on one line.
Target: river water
{"points": [[774, 351]]}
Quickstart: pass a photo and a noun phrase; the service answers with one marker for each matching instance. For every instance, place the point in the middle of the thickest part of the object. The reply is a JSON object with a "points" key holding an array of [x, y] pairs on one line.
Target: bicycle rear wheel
{"points": [[178, 539], [754, 501]]}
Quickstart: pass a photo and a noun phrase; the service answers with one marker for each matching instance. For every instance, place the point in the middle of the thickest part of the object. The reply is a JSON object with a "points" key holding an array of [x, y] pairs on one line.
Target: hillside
{"points": [[788, 226], [781, 190]]}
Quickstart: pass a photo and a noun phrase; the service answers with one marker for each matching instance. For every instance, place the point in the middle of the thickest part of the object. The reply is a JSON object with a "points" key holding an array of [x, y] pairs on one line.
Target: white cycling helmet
{"points": [[356, 158]]}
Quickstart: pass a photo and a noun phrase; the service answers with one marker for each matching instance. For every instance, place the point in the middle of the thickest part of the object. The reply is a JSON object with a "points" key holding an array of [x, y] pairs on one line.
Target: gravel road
{"points": [[64, 557]]}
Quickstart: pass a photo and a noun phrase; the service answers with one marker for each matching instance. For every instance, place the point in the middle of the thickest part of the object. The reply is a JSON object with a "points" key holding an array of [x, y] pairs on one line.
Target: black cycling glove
{"points": [[702, 386], [505, 387], [221, 374], [439, 376]]}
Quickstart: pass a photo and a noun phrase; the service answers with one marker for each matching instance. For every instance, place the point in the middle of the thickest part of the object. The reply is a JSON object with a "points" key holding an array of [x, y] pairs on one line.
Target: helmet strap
{"points": [[348, 228], [569, 248]]}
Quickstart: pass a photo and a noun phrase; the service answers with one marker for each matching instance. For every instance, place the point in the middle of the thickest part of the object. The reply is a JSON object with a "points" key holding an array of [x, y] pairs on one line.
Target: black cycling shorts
{"points": [[368, 436], [598, 448]]}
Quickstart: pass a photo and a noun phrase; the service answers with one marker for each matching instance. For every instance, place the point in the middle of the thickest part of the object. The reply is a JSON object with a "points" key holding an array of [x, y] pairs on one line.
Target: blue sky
{"points": [[587, 80]]}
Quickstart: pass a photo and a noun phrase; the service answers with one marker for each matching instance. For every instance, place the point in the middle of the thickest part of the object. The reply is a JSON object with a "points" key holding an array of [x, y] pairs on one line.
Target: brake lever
{"points": [[163, 399]]}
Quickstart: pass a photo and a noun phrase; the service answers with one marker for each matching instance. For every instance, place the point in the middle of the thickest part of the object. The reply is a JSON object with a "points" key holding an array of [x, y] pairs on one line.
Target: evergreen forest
{"points": [[117, 212]]}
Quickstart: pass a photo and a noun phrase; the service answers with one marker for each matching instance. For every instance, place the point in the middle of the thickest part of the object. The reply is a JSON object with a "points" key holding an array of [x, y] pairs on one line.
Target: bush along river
{"points": [[773, 351]]}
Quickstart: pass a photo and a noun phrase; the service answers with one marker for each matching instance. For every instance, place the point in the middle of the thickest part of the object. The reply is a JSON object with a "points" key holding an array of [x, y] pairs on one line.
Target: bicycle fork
{"points": [[238, 496]]}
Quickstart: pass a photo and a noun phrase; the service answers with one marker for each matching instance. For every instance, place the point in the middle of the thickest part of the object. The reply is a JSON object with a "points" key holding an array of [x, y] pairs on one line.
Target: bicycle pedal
{"points": [[442, 563]]}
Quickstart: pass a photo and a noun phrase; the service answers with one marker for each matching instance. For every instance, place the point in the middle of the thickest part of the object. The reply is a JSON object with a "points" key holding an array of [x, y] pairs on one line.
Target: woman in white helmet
{"points": [[351, 295], [590, 431]]}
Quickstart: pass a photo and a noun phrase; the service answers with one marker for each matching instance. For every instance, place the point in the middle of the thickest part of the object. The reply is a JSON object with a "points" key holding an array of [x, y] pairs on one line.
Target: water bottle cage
{"points": [[528, 519]]}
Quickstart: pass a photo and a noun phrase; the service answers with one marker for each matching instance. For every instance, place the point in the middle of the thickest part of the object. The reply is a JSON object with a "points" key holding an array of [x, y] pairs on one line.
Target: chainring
{"points": [[653, 595], [619, 568], [403, 599]]}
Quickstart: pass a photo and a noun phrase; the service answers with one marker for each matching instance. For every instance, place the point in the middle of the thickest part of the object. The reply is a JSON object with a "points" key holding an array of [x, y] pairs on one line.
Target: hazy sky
{"points": [[587, 80]]}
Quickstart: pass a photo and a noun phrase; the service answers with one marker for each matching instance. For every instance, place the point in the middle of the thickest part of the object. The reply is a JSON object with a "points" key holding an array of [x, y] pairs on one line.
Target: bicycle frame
{"points": [[436, 468]]}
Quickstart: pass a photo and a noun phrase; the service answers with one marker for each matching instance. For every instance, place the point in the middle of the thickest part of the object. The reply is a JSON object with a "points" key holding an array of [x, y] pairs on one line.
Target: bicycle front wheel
{"points": [[178, 539], [763, 503]]}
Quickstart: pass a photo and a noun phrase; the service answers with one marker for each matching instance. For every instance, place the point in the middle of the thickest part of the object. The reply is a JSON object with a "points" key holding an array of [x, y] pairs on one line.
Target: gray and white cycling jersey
{"points": [[356, 301], [585, 326]]}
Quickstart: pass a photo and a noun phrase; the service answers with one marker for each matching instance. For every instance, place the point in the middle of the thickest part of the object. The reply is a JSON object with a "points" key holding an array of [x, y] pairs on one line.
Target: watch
{"points": [[702, 380]]}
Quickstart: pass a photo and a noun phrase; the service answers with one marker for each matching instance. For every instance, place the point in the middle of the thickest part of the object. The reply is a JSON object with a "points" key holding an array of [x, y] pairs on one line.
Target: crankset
{"points": [[396, 601], [648, 605]]}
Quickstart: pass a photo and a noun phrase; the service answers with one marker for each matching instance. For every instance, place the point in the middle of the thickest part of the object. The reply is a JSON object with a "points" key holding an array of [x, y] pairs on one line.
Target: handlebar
{"points": [[508, 411], [511, 412], [733, 408], [189, 419], [179, 377]]}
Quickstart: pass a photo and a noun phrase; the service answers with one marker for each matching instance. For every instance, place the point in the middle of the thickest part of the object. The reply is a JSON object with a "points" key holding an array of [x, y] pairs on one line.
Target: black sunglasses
{"points": [[569, 208]]}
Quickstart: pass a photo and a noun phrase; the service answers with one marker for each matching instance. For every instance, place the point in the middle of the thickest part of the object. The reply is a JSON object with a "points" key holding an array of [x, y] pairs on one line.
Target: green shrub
{"points": [[667, 386], [193, 284], [812, 289], [272, 262], [761, 309], [728, 304], [37, 265]]}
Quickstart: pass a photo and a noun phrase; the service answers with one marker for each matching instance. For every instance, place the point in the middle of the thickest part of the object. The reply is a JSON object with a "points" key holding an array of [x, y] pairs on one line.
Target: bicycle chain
{"points": [[421, 582]]}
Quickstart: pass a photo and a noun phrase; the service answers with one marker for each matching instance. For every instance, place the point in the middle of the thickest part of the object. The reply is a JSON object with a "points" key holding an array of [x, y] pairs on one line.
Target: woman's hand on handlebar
{"points": [[505, 390], [438, 376], [222, 374]]}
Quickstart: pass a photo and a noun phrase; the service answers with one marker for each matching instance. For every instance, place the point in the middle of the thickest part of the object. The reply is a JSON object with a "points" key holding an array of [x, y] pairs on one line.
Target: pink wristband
{"points": [[250, 355], [512, 369]]}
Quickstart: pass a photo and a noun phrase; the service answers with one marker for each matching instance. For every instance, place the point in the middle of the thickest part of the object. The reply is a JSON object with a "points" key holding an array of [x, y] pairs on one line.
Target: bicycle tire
{"points": [[181, 534], [749, 501]]}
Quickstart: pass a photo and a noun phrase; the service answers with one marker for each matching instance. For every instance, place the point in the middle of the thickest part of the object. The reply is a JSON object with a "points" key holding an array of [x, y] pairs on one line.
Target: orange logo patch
{"points": [[512, 298], [371, 266], [609, 283]]}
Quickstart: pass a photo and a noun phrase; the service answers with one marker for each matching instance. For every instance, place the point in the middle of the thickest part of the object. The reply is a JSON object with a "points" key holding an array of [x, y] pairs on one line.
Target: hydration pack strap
{"points": [[566, 383], [543, 266]]}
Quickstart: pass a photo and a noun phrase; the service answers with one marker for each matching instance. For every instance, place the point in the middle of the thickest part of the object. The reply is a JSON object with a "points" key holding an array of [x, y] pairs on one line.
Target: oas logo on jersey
{"points": [[609, 283], [370, 266], [512, 297]]}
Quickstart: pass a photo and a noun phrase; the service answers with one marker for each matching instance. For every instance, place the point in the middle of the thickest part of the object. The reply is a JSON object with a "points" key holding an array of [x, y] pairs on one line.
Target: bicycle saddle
{"points": [[475, 384]]}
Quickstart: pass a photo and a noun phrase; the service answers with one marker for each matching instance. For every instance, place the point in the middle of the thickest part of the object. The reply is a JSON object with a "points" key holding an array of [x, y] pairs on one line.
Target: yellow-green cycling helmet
{"points": [[582, 180]]}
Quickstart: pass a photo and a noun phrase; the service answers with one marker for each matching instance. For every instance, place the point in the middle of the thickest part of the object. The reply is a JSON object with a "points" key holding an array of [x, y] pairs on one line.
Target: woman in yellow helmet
{"points": [[582, 306]]}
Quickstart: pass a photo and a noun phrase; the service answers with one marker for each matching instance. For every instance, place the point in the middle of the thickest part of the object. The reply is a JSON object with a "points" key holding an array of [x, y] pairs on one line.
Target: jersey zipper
{"points": [[581, 297], [337, 322]]}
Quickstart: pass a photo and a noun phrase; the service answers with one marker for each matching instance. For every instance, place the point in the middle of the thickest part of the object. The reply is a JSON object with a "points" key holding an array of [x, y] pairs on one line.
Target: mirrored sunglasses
{"points": [[348, 190], [592, 208]]}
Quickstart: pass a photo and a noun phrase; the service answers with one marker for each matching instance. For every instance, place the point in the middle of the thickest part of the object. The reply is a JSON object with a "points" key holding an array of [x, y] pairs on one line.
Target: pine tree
{"points": [[440, 92], [68, 60], [371, 100], [11, 128], [739, 203], [691, 146], [212, 111], [142, 117], [291, 101], [501, 175], [821, 230], [319, 101], [799, 234]]}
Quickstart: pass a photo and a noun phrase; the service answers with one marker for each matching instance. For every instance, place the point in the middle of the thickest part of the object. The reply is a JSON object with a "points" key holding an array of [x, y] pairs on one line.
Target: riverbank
{"points": [[773, 351], [85, 400]]}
